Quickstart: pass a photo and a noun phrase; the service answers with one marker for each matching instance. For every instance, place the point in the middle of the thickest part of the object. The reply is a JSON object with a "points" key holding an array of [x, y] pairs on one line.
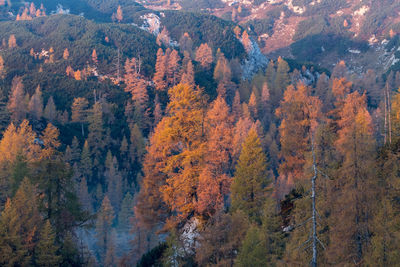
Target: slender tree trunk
{"points": [[385, 129], [314, 210], [389, 112], [118, 66]]}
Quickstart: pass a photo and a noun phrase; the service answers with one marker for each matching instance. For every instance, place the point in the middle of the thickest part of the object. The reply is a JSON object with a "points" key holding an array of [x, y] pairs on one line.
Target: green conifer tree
{"points": [[251, 178], [282, 80]]}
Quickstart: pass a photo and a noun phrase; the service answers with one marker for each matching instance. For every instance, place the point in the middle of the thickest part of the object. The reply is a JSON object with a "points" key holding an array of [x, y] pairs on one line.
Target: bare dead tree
{"points": [[389, 107], [385, 124], [313, 238], [388, 117], [118, 67], [314, 209]]}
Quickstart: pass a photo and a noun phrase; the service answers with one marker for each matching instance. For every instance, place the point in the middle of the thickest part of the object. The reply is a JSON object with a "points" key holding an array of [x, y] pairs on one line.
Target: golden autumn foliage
{"points": [[161, 69], [22, 140], [392, 33], [78, 75], [214, 180], [193, 162], [12, 41], [69, 71], [2, 68], [35, 105], [340, 88], [17, 140], [352, 190], [176, 152], [299, 112], [20, 226], [222, 71], [135, 83], [94, 56], [119, 16], [66, 54], [204, 55], [50, 141], [173, 73], [395, 113], [32, 9], [247, 41], [188, 75], [17, 104]]}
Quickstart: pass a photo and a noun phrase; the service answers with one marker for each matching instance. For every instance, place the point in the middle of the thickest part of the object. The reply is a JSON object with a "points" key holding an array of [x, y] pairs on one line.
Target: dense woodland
{"points": [[118, 149]]}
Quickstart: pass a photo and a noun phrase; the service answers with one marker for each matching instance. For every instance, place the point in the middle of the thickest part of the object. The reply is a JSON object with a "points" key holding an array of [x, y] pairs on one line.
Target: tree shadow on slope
{"points": [[313, 48]]}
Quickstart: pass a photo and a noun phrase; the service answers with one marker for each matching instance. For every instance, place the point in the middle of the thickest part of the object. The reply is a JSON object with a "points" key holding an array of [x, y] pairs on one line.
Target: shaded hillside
{"points": [[204, 29], [98, 10], [80, 36], [32, 58]]}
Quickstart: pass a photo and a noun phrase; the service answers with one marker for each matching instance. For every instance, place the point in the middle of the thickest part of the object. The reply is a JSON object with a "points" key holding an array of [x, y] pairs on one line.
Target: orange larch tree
{"points": [[175, 156], [188, 75], [299, 113], [66, 54], [79, 110], [16, 102], [204, 55], [161, 70], [136, 84], [2, 68], [35, 105], [119, 15], [12, 41], [352, 189], [174, 68], [214, 180], [94, 56]]}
